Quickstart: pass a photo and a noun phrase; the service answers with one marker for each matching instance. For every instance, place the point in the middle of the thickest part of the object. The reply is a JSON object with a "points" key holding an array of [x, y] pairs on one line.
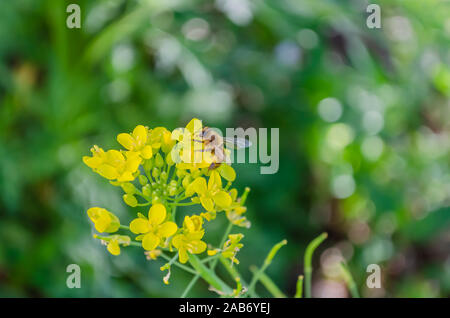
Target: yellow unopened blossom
{"points": [[212, 252], [137, 142], [113, 164], [211, 195], [113, 242], [104, 221], [154, 229], [190, 238], [232, 246]]}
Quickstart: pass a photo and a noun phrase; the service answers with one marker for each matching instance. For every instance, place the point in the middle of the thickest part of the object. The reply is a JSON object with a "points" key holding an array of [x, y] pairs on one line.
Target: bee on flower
{"points": [[165, 170]]}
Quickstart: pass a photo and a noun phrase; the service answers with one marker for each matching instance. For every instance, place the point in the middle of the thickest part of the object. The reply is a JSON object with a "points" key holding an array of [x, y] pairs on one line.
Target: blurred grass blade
{"points": [[348, 278], [308, 261], [299, 289]]}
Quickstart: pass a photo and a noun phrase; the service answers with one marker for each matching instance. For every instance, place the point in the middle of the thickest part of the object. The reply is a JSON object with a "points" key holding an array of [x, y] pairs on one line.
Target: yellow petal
{"points": [[150, 241], [113, 247], [214, 182], [94, 212], [102, 223], [207, 203], [233, 194], [157, 214], [115, 158], [197, 247], [222, 199], [227, 172], [147, 152], [125, 177], [107, 171], [200, 185], [92, 162], [140, 135], [126, 141], [188, 224], [133, 162], [182, 255], [177, 241], [139, 225], [195, 125], [167, 229]]}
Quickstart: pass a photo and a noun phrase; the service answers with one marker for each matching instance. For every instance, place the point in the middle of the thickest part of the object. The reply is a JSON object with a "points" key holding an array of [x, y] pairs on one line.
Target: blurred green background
{"points": [[364, 121]]}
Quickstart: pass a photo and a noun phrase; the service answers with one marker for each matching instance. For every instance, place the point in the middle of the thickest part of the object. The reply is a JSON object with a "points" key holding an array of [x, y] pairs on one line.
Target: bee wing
{"points": [[236, 142]]}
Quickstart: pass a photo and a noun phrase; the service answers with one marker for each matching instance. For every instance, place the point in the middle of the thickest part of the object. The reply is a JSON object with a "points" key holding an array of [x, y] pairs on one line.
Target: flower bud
{"points": [[163, 176], [148, 164], [143, 180], [169, 160], [159, 161], [172, 191], [147, 190], [181, 173], [155, 200], [155, 172], [186, 181], [129, 188], [130, 200]]}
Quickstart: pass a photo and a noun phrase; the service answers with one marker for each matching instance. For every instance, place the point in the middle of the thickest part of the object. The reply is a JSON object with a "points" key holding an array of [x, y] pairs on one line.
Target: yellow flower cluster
{"points": [[164, 170]]}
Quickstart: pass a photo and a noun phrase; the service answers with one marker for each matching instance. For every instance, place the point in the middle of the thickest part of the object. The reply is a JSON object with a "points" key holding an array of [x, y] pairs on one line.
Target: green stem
{"points": [[268, 283], [124, 227], [184, 267], [308, 261], [349, 281], [143, 204], [182, 204], [234, 272], [209, 276], [174, 212], [299, 290], [267, 261], [210, 258], [224, 238], [190, 285]]}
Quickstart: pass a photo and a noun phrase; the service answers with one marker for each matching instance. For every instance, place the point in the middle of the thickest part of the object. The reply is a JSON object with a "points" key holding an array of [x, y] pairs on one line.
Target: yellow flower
{"points": [[189, 151], [154, 229], [112, 164], [103, 220], [210, 195], [190, 239], [236, 210], [113, 242], [137, 142], [232, 246], [160, 137]]}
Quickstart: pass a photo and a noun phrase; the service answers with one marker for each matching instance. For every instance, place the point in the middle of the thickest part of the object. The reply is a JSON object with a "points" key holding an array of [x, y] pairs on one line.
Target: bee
{"points": [[217, 145]]}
